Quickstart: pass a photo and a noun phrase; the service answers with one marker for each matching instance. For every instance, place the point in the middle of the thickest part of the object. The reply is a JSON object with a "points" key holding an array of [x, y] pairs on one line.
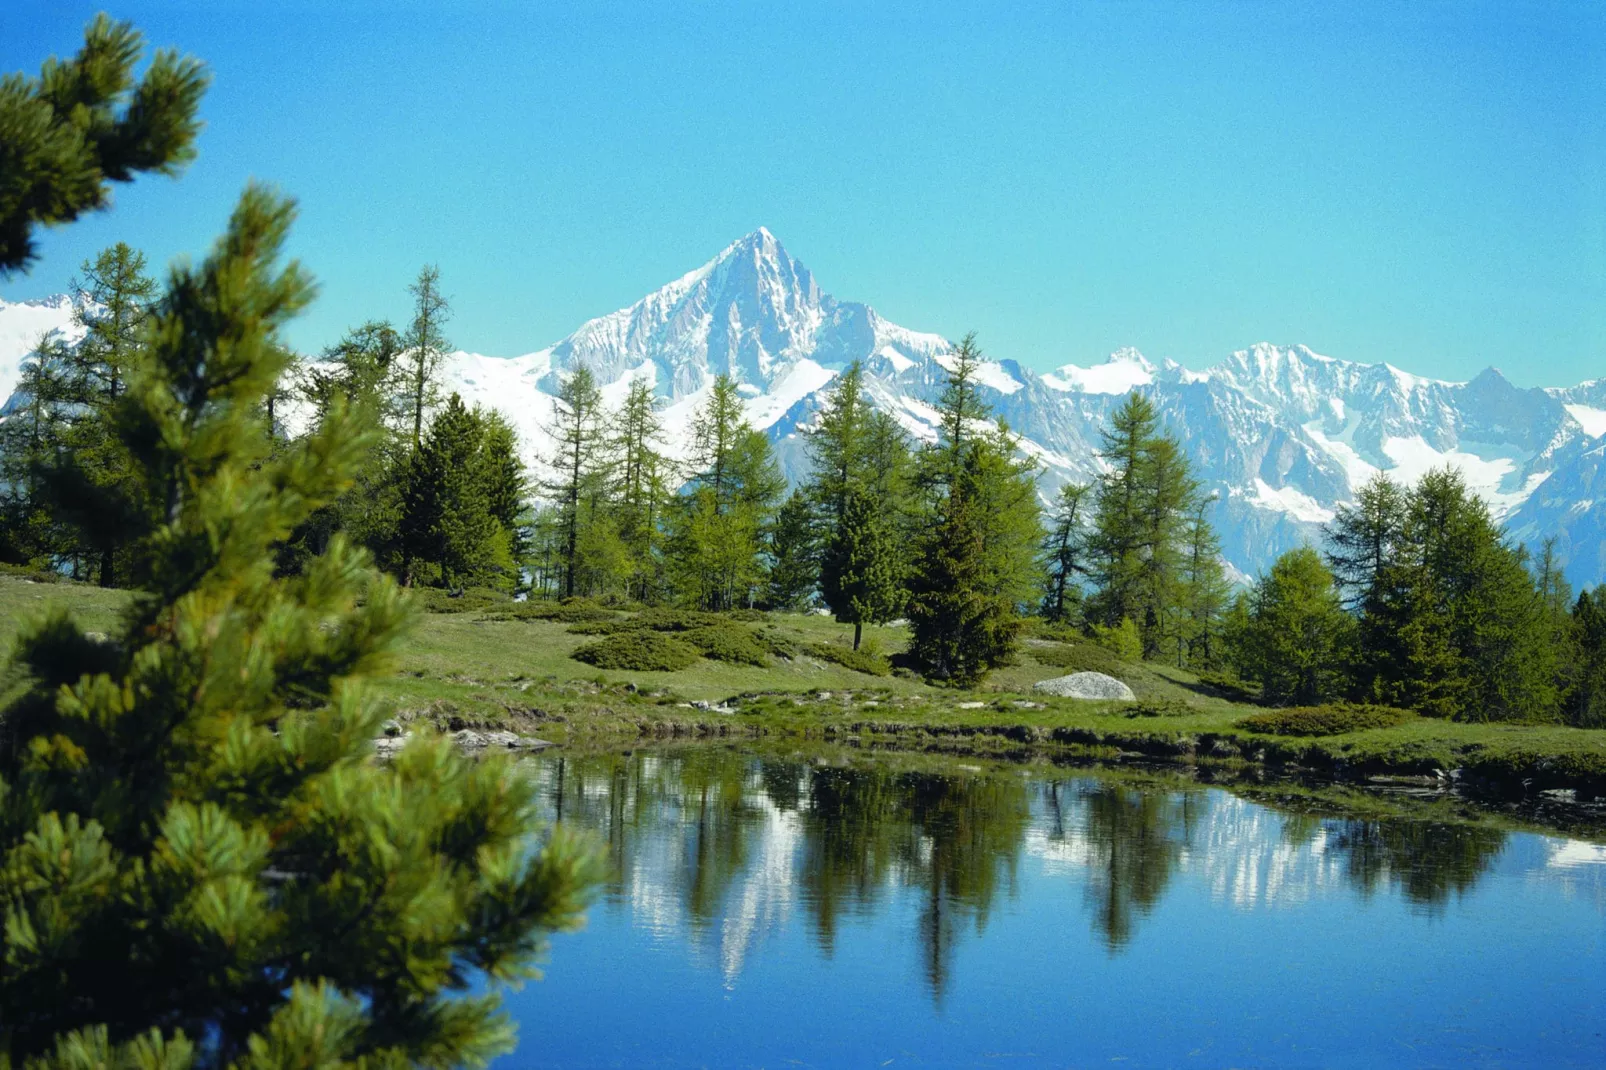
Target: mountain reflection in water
{"points": [[724, 847], [839, 908]]}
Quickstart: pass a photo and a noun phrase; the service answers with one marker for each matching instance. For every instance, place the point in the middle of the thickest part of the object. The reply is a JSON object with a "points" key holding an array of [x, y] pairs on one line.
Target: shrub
{"points": [[1165, 707], [747, 616], [778, 643], [728, 642], [1229, 687], [640, 650], [1122, 640], [676, 620], [439, 600], [1331, 720], [569, 611], [604, 627], [848, 658], [1079, 657]]}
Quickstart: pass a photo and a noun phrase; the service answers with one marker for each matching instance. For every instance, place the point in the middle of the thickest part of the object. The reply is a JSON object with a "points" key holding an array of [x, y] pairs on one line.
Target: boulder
{"points": [[1092, 685]]}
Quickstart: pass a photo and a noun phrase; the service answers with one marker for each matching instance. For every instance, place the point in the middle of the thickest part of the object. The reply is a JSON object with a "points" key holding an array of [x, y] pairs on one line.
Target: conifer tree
{"points": [[90, 483], [426, 346], [1206, 592], [644, 474], [1297, 639], [505, 483], [794, 571], [578, 463], [1586, 705], [718, 530], [449, 533], [976, 562], [195, 794], [1367, 537], [860, 579], [1065, 553], [1117, 541], [85, 123]]}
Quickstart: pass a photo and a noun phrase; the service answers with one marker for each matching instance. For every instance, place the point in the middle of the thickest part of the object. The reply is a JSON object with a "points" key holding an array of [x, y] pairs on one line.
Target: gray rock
{"points": [[1091, 685]]}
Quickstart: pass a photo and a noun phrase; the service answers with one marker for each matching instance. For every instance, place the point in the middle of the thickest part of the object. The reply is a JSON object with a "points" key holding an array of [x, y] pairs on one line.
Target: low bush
{"points": [[727, 642], [1060, 632], [661, 619], [857, 660], [1122, 640], [1079, 657], [778, 643], [1228, 687], [568, 611], [1331, 720], [640, 650], [604, 627], [747, 616], [30, 573], [439, 600]]}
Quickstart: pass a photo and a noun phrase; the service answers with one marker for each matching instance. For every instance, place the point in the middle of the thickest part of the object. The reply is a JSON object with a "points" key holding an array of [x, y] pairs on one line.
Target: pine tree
{"points": [[30, 439], [505, 483], [578, 466], [1206, 592], [1298, 638], [794, 571], [975, 565], [1117, 541], [426, 346], [1587, 704], [644, 474], [449, 533], [860, 579], [196, 792], [90, 481], [1065, 554], [1367, 537], [85, 123], [717, 534], [1170, 495]]}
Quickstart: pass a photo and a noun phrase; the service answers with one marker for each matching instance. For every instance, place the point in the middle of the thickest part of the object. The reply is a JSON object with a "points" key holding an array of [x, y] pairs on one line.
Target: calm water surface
{"points": [[784, 913]]}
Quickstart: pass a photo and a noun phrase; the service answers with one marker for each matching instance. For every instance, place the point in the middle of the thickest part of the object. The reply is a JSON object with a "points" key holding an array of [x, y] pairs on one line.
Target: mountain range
{"points": [[1281, 435]]}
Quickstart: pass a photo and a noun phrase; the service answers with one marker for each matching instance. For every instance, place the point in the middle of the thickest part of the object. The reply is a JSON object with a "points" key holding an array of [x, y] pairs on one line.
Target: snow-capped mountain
{"points": [[1282, 435]]}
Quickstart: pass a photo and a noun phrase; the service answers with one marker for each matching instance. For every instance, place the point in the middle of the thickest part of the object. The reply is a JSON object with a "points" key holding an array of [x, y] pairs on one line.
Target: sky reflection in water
{"points": [[782, 913]]}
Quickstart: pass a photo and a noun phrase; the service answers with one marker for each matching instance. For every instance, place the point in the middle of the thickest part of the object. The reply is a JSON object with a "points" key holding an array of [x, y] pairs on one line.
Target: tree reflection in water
{"points": [[724, 846]]}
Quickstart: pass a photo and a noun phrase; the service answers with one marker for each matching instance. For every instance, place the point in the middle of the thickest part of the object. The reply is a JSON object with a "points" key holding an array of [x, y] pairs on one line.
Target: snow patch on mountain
{"points": [[1592, 420], [1125, 370]]}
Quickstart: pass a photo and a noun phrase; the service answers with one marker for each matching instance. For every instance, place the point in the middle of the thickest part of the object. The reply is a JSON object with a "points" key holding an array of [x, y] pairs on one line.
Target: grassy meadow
{"points": [[483, 665]]}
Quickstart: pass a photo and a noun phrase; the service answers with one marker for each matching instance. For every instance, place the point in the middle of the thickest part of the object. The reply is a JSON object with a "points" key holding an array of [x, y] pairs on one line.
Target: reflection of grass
{"points": [[477, 669]]}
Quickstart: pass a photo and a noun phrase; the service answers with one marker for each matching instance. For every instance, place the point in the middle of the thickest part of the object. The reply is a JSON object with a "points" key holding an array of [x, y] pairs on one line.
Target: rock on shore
{"points": [[1091, 685]]}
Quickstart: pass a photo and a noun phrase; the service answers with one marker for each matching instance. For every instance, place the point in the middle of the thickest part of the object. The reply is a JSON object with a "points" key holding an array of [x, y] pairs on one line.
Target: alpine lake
{"points": [[802, 908]]}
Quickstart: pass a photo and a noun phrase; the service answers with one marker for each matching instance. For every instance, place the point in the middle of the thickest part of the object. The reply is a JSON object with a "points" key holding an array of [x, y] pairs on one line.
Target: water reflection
{"points": [[724, 849]]}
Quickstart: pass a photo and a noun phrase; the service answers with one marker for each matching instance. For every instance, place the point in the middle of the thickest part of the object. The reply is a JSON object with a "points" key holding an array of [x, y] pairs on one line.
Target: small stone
{"points": [[1085, 685], [971, 705]]}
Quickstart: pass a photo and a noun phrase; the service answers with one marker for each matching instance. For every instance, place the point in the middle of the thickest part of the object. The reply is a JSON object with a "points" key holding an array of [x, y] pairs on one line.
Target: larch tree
{"points": [[1297, 638], [578, 463], [426, 346], [1065, 554], [196, 790]]}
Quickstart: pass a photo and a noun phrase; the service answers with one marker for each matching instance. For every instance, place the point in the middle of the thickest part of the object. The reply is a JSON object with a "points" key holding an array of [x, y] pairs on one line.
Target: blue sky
{"points": [[1418, 183]]}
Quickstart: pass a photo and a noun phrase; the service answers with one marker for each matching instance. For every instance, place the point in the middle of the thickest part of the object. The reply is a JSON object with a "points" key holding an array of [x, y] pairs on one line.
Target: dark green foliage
{"points": [[1065, 554], [849, 658], [794, 551], [474, 600], [778, 643], [1080, 657], [449, 534], [572, 611], [1296, 641], [975, 562], [1158, 708], [195, 795], [1229, 687], [85, 123], [728, 642], [1587, 703], [861, 575], [677, 620], [1330, 720], [642, 651]]}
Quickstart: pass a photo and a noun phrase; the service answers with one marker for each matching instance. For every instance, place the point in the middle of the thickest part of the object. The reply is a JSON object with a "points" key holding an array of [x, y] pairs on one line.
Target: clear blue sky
{"points": [[1418, 183]]}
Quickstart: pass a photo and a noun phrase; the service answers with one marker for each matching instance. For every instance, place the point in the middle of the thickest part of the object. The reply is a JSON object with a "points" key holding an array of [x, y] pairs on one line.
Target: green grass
{"points": [[492, 666]]}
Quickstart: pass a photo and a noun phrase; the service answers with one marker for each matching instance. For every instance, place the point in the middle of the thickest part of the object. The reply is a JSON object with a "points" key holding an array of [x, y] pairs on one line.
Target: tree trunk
{"points": [[858, 633]]}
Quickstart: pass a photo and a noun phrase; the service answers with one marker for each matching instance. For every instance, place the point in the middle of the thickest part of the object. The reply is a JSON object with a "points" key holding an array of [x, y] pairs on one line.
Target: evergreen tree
{"points": [[644, 474], [718, 530], [426, 346], [578, 465], [1587, 702], [505, 483], [794, 572], [975, 565], [1118, 530], [85, 123], [859, 464], [1170, 496], [1206, 592], [1297, 638], [88, 479], [1065, 554], [30, 438], [449, 533], [859, 578], [195, 794], [1367, 537]]}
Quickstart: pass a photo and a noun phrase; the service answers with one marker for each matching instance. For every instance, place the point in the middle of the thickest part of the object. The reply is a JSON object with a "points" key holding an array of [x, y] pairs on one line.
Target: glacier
{"points": [[1281, 435]]}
